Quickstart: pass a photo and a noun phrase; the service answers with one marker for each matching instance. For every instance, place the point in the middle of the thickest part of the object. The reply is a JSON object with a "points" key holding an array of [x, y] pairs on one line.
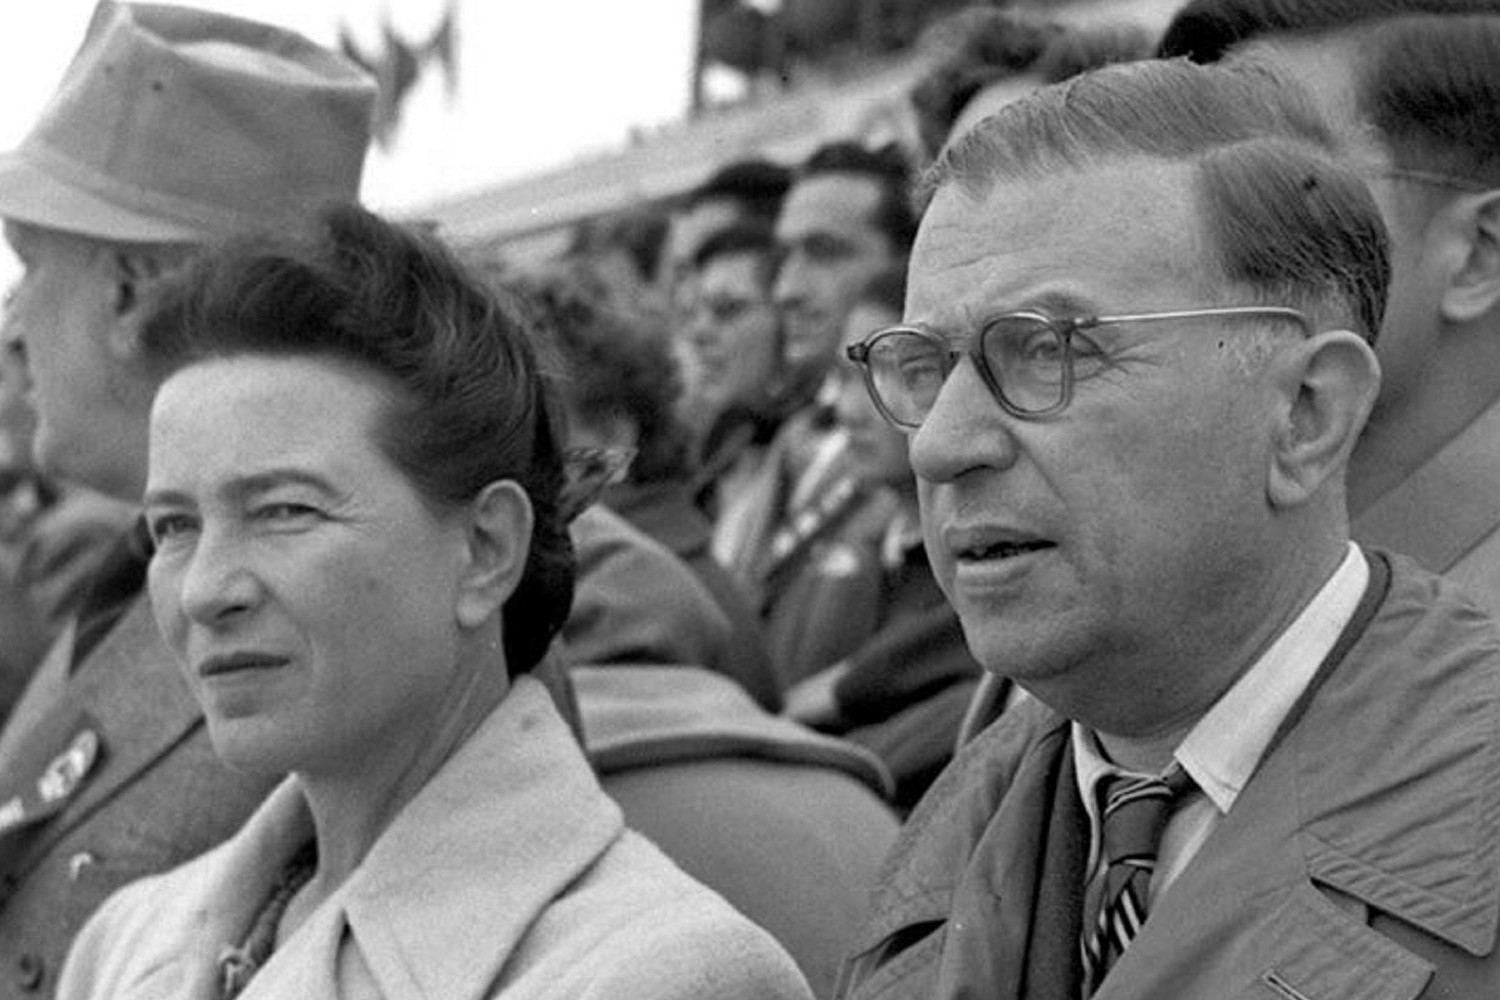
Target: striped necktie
{"points": [[1135, 813]]}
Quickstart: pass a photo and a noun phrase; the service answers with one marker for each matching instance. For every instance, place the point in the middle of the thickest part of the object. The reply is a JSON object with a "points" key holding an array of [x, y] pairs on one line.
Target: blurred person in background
{"points": [[620, 388], [847, 217], [739, 192], [1418, 81], [354, 494], [790, 826], [984, 56], [171, 129], [734, 334], [622, 250], [894, 674]]}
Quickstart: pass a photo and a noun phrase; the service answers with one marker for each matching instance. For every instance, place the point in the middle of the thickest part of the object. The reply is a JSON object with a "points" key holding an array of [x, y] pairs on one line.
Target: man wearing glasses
{"points": [[1256, 760]]}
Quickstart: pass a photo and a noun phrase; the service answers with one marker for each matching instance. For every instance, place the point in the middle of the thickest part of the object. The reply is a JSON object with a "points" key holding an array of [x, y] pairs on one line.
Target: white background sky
{"points": [[541, 82]]}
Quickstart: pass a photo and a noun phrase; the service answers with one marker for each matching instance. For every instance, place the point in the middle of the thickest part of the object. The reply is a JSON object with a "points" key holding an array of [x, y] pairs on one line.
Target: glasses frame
{"points": [[1065, 328]]}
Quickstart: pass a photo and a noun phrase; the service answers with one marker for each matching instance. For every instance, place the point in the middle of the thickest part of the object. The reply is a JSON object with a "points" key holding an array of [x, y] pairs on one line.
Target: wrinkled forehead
{"points": [[1123, 233]]}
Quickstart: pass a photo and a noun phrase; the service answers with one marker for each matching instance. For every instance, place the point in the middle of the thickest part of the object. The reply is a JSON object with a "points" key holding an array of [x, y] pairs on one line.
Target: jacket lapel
{"points": [[129, 695], [1386, 820]]}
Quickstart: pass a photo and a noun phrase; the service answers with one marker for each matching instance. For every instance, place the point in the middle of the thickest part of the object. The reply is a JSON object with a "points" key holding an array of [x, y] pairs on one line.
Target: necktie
{"points": [[1135, 813]]}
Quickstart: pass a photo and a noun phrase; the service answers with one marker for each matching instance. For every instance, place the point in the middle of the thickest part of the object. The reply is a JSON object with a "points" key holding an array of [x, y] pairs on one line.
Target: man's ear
{"points": [[1473, 287], [137, 272], [1327, 386], [497, 543]]}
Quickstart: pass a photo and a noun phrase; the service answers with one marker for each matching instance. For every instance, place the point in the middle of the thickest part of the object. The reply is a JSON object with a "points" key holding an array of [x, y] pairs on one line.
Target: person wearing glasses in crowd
{"points": [[894, 674], [1256, 758], [846, 217]]}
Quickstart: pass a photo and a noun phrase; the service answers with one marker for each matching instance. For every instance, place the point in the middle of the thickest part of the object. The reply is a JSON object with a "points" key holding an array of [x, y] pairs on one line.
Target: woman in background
{"points": [[359, 555]]}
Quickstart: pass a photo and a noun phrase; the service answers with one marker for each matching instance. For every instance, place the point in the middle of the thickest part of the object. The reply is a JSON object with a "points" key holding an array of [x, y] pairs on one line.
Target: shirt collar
{"points": [[1222, 749]]}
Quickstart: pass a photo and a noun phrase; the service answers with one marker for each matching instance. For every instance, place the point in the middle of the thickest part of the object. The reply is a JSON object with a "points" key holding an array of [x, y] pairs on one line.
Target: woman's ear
{"points": [[1327, 387], [1473, 287], [497, 544]]}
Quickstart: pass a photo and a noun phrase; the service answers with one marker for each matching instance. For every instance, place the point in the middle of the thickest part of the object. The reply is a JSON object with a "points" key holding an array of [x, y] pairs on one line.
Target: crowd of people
{"points": [[1055, 559]]}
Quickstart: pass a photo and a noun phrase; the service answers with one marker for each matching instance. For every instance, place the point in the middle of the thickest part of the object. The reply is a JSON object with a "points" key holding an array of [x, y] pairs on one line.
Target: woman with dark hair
{"points": [[353, 494]]}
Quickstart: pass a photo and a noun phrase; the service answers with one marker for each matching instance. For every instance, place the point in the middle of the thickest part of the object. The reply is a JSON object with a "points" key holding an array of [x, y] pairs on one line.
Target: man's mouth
{"points": [[1001, 550]]}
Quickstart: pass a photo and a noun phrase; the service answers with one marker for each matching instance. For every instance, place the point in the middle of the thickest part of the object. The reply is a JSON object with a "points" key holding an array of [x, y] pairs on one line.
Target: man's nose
{"points": [[965, 429]]}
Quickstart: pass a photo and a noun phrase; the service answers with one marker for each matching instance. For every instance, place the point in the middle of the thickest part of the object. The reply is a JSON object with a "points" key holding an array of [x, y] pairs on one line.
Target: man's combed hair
{"points": [[1205, 30], [754, 238], [757, 185], [470, 403], [1431, 88], [1289, 223], [888, 167]]}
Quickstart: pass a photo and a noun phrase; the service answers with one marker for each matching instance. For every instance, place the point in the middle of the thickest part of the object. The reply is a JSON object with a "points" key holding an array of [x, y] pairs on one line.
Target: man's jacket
{"points": [[1361, 860]]}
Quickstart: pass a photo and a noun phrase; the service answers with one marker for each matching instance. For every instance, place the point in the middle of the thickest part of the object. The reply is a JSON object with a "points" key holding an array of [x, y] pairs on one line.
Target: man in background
{"points": [[846, 218], [172, 128], [1419, 81]]}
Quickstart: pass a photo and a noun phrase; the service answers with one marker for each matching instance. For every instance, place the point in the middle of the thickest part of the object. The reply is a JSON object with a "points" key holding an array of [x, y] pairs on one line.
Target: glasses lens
{"points": [[907, 371], [1028, 361]]}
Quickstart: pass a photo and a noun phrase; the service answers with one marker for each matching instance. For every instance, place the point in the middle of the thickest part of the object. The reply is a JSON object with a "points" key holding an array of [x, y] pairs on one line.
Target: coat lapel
{"points": [[1356, 814]]}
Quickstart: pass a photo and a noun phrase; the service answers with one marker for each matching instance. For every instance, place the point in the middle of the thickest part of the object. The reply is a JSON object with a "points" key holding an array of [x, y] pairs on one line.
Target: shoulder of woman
{"points": [[693, 952]]}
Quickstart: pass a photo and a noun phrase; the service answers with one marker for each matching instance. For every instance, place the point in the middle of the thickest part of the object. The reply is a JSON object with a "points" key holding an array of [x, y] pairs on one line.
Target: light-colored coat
{"points": [[510, 874], [1361, 860]]}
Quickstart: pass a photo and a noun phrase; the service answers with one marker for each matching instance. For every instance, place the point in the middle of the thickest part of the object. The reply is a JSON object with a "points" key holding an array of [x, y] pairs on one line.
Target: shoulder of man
{"points": [[944, 828], [106, 775]]}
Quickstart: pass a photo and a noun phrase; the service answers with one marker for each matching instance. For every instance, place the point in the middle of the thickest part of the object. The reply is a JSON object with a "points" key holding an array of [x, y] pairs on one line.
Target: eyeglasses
{"points": [[1028, 360]]}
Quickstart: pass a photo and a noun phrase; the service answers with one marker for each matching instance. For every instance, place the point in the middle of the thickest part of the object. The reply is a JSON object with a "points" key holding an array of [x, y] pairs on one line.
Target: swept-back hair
{"points": [[1286, 220], [469, 400]]}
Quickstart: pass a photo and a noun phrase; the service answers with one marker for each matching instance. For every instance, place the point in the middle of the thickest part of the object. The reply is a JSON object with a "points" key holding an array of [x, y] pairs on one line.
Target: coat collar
{"points": [[1387, 784], [1461, 481], [411, 906]]}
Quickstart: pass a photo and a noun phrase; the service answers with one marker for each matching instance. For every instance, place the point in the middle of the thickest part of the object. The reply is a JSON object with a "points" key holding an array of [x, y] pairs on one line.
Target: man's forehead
{"points": [[837, 200], [1092, 236], [739, 271]]}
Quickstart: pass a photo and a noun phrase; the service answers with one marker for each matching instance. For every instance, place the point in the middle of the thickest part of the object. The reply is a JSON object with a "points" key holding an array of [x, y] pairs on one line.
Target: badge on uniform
{"points": [[57, 783]]}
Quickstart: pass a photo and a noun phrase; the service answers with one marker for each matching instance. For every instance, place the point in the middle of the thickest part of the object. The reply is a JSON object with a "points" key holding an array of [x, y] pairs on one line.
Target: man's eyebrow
{"points": [[1058, 303]]}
